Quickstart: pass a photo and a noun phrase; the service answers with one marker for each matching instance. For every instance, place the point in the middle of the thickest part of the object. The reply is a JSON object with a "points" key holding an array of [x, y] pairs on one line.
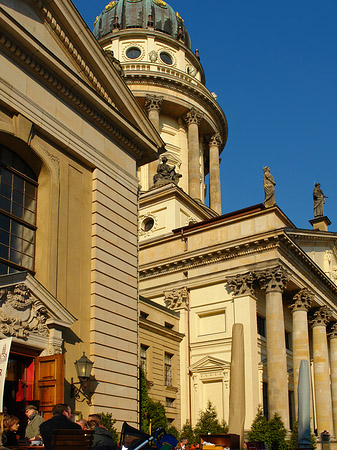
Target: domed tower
{"points": [[154, 48]]}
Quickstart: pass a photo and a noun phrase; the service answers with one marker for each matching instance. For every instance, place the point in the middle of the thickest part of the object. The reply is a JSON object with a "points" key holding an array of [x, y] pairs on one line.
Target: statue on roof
{"points": [[165, 173], [269, 188], [319, 200]]}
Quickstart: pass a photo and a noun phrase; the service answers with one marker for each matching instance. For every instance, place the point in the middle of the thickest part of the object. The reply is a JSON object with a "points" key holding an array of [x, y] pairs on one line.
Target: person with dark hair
{"points": [[61, 420], [11, 426], [103, 439]]}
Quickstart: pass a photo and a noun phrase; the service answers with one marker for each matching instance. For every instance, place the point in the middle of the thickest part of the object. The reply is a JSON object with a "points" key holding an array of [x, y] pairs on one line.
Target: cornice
{"points": [[73, 51], [172, 190], [146, 324], [198, 92], [65, 91], [207, 256], [253, 245]]}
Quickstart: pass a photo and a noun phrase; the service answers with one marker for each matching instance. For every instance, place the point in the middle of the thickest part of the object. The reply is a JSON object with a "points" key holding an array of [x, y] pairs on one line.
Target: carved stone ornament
{"points": [[153, 102], [321, 316], [153, 56], [177, 298], [241, 284], [274, 279], [193, 116], [21, 313], [215, 140], [333, 331], [302, 301], [165, 174]]}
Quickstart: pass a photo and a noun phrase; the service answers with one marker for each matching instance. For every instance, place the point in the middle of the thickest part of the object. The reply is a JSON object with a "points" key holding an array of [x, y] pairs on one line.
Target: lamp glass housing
{"points": [[83, 367]]}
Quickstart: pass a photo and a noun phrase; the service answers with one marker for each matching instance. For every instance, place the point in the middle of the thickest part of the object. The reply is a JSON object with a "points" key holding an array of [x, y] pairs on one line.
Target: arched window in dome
{"points": [[18, 191]]}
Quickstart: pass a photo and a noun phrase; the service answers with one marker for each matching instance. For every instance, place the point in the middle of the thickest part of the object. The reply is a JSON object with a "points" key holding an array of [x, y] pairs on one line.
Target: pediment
{"points": [[209, 364], [27, 309], [26, 14], [62, 44]]}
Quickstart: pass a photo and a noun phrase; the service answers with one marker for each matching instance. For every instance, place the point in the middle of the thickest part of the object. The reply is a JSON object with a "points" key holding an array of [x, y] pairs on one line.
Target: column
{"points": [[300, 308], [193, 118], [333, 372], [274, 281], [214, 173], [153, 107], [321, 371], [242, 288]]}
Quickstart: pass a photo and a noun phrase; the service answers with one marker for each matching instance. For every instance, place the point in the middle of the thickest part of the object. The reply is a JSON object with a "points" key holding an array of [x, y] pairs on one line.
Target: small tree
{"points": [[208, 423], [259, 428], [108, 422], [188, 433], [276, 434]]}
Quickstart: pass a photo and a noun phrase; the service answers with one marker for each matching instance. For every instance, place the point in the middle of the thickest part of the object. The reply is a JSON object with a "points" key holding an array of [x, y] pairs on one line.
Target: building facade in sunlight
{"points": [[72, 137], [251, 266]]}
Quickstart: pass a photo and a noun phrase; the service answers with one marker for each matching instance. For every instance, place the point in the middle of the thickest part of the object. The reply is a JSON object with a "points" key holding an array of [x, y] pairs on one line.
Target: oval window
{"points": [[147, 224], [133, 52], [166, 58]]}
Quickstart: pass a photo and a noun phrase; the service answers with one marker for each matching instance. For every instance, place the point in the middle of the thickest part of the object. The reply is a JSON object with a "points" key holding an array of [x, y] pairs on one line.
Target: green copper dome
{"points": [[157, 14]]}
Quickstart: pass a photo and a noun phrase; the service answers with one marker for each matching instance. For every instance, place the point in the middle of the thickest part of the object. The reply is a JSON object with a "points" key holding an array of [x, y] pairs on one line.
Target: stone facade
{"points": [[70, 118]]}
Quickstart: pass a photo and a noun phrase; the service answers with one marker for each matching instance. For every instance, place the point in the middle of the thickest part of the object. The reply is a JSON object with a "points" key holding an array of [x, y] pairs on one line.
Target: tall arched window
{"points": [[18, 190]]}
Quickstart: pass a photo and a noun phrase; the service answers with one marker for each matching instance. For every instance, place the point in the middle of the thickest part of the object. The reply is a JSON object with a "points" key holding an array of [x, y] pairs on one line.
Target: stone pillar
{"points": [[274, 281], [300, 308], [333, 372], [193, 118], [214, 173], [321, 371], [245, 312], [153, 107]]}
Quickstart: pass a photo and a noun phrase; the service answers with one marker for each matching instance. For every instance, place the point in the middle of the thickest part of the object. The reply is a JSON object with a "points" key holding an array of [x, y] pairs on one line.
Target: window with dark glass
{"points": [[143, 358], [18, 190], [288, 340], [166, 58], [133, 52], [168, 369], [261, 325]]}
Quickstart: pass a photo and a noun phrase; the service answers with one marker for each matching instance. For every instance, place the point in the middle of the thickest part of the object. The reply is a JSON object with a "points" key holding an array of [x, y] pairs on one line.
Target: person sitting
{"points": [[103, 439], [82, 423], [34, 421], [61, 420], [9, 436]]}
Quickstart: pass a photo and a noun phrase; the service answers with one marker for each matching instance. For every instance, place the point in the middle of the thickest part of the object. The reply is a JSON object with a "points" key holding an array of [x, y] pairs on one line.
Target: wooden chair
{"points": [[72, 439]]}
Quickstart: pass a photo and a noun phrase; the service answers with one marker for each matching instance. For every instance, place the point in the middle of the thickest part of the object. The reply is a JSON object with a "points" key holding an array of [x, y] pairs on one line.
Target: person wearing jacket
{"points": [[34, 421], [103, 439]]}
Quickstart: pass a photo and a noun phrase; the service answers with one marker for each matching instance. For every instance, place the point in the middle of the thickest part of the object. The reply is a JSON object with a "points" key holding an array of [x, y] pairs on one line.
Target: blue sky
{"points": [[273, 66]]}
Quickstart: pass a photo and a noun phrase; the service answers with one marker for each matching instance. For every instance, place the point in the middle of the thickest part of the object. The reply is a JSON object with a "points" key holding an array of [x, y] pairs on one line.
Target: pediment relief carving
{"points": [[21, 313], [209, 364], [28, 310]]}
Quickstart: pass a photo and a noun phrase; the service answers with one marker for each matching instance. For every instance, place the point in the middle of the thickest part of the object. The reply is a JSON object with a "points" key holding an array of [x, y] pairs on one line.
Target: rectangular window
{"points": [[143, 358], [261, 325], [169, 402], [265, 400], [288, 339], [168, 369]]}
